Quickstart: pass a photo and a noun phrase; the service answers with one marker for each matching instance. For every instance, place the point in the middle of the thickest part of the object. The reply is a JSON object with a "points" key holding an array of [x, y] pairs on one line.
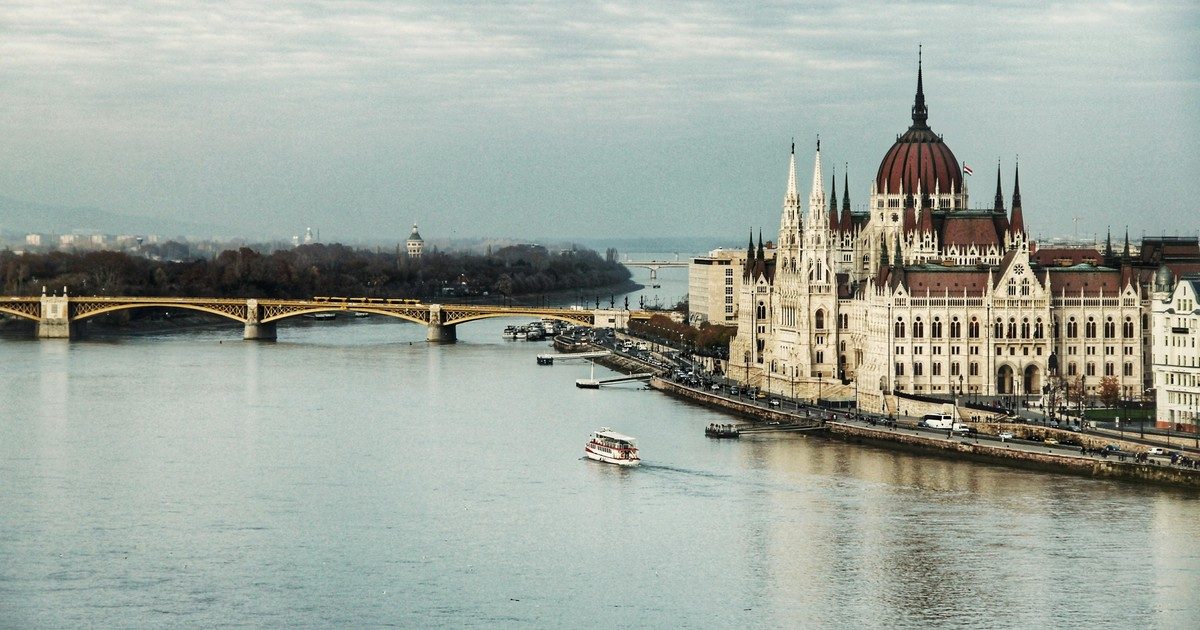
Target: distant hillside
{"points": [[19, 217], [684, 245]]}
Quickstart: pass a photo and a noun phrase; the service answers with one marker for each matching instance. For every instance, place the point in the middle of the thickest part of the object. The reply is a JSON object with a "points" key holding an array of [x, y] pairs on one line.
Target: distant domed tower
{"points": [[415, 243]]}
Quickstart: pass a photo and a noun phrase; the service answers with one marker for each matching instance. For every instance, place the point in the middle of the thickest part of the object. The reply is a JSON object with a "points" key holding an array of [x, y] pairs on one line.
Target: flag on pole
{"points": [[967, 169]]}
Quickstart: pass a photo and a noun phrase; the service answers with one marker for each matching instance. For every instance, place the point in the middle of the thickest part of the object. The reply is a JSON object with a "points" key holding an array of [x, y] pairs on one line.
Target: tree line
{"points": [[313, 270]]}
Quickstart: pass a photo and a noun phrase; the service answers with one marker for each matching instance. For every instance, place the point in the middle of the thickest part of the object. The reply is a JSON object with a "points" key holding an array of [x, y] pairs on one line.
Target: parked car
{"points": [[1156, 450], [1050, 440], [1005, 436]]}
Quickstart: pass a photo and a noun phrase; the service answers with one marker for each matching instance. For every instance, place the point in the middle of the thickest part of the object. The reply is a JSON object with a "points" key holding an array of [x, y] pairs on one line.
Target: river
{"points": [[352, 475]]}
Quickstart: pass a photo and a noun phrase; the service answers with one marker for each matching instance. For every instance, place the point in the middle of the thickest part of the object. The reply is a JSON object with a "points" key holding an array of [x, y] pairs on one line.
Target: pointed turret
{"points": [[1125, 256], [1108, 250], [833, 210], [816, 200], [1017, 222], [762, 253], [883, 252], [792, 193], [999, 207], [920, 115], [899, 261], [847, 221], [846, 188]]}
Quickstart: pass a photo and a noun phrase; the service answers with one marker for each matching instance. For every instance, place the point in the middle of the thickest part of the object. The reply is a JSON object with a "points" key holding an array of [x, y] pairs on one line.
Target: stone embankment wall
{"points": [[962, 448], [1004, 454], [749, 410]]}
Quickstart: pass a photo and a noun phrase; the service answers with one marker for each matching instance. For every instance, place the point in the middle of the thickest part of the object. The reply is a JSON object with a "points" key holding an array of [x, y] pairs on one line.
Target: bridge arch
{"points": [[581, 320], [167, 305], [341, 309], [20, 313]]}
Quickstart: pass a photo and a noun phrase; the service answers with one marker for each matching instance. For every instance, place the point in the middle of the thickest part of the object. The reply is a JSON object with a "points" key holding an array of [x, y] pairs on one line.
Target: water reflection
{"points": [[353, 458]]}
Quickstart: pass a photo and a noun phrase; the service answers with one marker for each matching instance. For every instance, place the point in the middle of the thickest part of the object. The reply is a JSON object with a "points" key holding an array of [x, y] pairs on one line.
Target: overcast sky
{"points": [[565, 119]]}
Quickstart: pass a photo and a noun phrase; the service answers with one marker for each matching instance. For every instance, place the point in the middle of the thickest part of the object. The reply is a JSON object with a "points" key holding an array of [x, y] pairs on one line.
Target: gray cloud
{"points": [[612, 117]]}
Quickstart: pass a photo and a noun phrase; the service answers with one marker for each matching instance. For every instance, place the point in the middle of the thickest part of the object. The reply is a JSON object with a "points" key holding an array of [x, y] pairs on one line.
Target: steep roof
{"points": [[937, 281], [963, 229], [1086, 279]]}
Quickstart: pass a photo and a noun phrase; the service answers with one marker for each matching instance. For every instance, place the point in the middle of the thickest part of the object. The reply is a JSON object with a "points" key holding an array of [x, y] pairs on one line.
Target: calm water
{"points": [[352, 475]]}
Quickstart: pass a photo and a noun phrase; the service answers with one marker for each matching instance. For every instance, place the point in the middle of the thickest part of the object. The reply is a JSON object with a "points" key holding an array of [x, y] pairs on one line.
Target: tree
{"points": [[1110, 391]]}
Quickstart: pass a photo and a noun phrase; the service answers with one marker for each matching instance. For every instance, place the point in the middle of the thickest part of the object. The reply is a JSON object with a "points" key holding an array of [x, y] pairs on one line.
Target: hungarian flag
{"points": [[967, 169]]}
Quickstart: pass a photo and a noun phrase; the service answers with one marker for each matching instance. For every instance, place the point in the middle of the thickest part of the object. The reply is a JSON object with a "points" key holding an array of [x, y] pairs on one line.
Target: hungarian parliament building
{"points": [[925, 294]]}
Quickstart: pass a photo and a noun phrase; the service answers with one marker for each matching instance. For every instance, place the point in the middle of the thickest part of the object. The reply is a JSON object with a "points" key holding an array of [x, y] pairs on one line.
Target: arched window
{"points": [[1072, 328], [1057, 330], [899, 328], [955, 328], [1024, 327], [1037, 329], [1127, 328], [762, 311], [820, 319], [918, 328], [973, 328], [1025, 287], [1090, 328], [935, 328], [1110, 328], [999, 332], [1012, 328], [1012, 287]]}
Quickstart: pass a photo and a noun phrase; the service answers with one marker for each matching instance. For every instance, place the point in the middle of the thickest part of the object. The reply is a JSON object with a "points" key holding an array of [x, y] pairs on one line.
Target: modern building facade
{"points": [[1176, 350], [924, 293], [714, 284]]}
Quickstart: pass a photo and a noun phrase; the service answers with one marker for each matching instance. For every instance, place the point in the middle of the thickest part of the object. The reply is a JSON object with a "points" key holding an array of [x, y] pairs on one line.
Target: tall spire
{"points": [[791, 186], [750, 252], [833, 206], [762, 254], [1108, 252], [1016, 199], [1017, 222], [1125, 254], [919, 113], [847, 221], [816, 201], [846, 188], [999, 193]]}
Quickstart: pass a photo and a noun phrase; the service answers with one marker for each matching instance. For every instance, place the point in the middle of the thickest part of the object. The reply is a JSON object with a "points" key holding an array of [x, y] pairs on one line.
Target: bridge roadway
{"points": [[655, 265], [58, 317]]}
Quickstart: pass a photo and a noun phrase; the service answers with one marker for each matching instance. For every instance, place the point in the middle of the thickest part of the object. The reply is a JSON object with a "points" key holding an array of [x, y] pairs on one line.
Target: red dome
{"points": [[919, 157]]}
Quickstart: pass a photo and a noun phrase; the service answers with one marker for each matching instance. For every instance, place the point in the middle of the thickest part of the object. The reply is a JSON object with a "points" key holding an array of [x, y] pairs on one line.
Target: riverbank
{"points": [[908, 438]]}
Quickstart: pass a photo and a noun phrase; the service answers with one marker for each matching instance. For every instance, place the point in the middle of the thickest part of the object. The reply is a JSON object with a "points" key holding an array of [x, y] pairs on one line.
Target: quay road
{"points": [[671, 363]]}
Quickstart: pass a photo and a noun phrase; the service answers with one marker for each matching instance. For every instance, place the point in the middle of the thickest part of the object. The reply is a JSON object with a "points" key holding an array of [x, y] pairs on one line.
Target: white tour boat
{"points": [[609, 446]]}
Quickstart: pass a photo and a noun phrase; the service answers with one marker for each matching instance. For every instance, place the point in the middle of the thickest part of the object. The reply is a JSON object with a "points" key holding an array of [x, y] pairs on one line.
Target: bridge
{"points": [[655, 265], [58, 317]]}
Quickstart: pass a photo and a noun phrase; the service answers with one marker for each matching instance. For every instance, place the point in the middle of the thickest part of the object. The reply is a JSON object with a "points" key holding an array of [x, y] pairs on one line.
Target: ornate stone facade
{"points": [[922, 293]]}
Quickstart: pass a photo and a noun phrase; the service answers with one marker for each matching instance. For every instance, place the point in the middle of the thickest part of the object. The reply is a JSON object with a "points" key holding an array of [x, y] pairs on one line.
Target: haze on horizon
{"points": [[611, 119]]}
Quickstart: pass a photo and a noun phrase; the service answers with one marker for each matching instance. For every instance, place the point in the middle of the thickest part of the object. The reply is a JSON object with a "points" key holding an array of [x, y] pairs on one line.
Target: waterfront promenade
{"points": [[1097, 455]]}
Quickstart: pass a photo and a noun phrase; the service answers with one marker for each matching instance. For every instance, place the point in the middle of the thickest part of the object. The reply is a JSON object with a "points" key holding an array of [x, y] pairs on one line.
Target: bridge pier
{"points": [[55, 322], [259, 332], [256, 330], [436, 331], [441, 333]]}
